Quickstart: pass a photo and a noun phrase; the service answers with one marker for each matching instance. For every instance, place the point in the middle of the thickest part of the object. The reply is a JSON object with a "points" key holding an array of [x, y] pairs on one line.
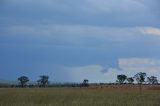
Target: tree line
{"points": [[43, 81], [140, 77]]}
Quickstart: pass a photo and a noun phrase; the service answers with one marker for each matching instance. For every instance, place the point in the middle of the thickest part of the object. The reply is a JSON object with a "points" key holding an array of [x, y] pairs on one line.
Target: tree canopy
{"points": [[121, 78], [23, 80], [140, 77], [43, 81]]}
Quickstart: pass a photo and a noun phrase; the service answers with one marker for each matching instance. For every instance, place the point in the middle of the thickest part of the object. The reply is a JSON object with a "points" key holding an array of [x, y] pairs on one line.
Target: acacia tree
{"points": [[23, 80], [152, 80], [121, 78], [140, 78], [130, 80], [43, 81], [85, 82]]}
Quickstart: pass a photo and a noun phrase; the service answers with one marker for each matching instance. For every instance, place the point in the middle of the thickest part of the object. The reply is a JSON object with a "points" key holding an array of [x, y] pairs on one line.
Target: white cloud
{"points": [[85, 31], [120, 33], [134, 65], [138, 62], [83, 35], [151, 31], [128, 66], [91, 72]]}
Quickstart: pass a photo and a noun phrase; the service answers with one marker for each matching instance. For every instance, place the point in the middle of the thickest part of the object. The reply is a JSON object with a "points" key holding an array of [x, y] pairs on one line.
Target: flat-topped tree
{"points": [[140, 78], [23, 80], [43, 81], [85, 82], [121, 78]]}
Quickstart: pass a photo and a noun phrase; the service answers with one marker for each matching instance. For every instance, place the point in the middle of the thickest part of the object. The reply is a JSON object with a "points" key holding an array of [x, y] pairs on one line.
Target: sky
{"points": [[72, 40]]}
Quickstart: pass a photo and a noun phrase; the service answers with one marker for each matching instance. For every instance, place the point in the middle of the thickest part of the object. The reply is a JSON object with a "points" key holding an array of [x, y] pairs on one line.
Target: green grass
{"points": [[77, 97]]}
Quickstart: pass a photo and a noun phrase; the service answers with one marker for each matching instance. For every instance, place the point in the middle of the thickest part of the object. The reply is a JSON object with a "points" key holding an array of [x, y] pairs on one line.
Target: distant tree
{"points": [[121, 78], [152, 80], [43, 81], [23, 80], [130, 80], [140, 78], [85, 82]]}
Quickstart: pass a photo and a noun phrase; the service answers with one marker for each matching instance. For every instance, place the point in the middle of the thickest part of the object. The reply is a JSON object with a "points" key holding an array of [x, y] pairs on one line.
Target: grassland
{"points": [[78, 97]]}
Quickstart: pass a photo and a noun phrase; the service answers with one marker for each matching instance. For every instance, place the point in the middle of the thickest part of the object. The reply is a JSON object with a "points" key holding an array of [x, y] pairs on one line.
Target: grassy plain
{"points": [[78, 97]]}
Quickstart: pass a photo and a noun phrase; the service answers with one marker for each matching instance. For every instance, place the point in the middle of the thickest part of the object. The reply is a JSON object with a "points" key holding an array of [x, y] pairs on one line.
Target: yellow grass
{"points": [[78, 97]]}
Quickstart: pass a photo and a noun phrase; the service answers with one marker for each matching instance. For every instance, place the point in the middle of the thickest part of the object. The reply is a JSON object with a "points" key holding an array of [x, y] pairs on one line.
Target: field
{"points": [[92, 96]]}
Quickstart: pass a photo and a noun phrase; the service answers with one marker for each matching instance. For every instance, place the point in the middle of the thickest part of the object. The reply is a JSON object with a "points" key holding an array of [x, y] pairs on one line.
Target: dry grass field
{"points": [[111, 95]]}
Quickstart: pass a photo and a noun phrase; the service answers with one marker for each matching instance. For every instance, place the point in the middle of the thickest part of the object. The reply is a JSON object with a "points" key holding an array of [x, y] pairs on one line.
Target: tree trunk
{"points": [[140, 88]]}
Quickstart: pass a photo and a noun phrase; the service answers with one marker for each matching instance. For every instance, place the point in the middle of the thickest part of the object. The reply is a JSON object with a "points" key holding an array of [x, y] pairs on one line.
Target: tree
{"points": [[152, 80], [140, 77], [85, 83], [130, 80], [43, 81], [121, 78], [23, 80]]}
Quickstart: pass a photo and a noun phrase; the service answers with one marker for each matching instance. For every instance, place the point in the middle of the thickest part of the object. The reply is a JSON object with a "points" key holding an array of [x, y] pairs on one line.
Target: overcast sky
{"points": [[71, 40]]}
